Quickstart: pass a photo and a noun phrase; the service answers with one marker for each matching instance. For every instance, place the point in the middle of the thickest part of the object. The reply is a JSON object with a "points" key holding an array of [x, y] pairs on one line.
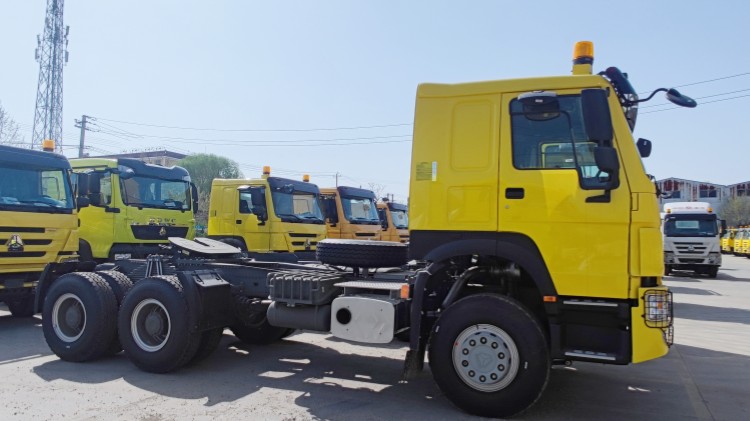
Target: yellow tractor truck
{"points": [[350, 213], [134, 207], [39, 222], [727, 241], [267, 215], [529, 261], [737, 241], [394, 220]]}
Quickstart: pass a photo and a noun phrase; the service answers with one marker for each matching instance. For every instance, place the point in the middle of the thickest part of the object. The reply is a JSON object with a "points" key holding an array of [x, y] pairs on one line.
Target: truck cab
{"points": [[267, 215], [394, 220], [39, 222], [727, 241], [350, 213], [691, 238], [134, 207]]}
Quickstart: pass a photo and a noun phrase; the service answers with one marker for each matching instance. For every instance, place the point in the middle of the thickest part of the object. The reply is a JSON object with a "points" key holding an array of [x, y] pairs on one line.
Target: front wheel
{"points": [[489, 356], [713, 272], [667, 270]]}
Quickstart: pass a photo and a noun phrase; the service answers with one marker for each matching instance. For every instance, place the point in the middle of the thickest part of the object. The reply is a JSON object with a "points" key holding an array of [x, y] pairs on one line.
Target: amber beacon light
{"points": [[583, 57]]}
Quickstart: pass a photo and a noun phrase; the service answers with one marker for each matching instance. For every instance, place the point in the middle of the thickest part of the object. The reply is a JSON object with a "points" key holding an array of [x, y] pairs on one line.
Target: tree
{"points": [[378, 189], [736, 211], [9, 130], [203, 168]]}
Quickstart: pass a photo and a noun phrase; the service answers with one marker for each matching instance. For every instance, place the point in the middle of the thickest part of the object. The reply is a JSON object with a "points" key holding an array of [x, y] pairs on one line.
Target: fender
{"points": [[435, 246]]}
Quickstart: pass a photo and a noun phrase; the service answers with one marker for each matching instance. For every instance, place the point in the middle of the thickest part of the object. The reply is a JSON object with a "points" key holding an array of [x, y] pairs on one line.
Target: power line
{"points": [[703, 81], [256, 130]]}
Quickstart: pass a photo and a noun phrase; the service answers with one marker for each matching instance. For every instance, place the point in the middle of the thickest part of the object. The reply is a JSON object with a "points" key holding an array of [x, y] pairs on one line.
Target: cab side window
{"points": [[246, 202], [555, 141]]}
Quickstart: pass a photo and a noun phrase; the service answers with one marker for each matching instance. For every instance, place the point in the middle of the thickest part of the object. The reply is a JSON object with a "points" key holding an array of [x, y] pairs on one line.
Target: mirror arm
{"points": [[649, 97]]}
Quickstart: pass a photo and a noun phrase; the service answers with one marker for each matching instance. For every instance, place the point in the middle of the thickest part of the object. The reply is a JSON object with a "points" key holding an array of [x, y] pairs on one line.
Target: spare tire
{"points": [[362, 253]]}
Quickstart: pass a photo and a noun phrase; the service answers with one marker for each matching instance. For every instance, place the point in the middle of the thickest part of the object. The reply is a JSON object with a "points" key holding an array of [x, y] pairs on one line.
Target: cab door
{"points": [[548, 181], [98, 219], [251, 219]]}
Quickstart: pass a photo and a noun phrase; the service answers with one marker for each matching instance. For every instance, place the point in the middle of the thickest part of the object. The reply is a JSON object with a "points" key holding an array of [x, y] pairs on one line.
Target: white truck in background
{"points": [[691, 238]]}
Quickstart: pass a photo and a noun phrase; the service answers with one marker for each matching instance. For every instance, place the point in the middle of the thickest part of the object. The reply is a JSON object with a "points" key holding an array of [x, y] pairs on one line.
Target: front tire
{"points": [[489, 356], [154, 325], [79, 317], [713, 272]]}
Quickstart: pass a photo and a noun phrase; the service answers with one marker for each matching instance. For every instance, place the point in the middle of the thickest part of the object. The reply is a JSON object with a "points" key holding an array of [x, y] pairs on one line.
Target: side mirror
{"points": [[644, 147], [675, 97], [194, 193], [606, 159], [540, 105], [596, 116], [81, 181], [82, 202], [331, 212]]}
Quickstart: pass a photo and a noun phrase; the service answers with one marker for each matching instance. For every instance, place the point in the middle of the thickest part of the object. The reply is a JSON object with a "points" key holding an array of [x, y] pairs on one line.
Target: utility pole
{"points": [[82, 125], [52, 55]]}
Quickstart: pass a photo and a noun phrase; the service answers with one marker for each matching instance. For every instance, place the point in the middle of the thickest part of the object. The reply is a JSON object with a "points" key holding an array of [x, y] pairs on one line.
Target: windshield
{"points": [[690, 227], [32, 189], [297, 206], [400, 219], [360, 210], [149, 192]]}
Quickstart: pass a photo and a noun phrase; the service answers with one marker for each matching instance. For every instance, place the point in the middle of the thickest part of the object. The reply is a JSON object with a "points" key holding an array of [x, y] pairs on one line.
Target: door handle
{"points": [[514, 193], [238, 221]]}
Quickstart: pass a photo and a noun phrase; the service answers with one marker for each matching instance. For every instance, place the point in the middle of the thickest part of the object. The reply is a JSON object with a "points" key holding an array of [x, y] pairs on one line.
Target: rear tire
{"points": [[120, 285], [21, 306], [208, 343], [261, 334], [79, 318], [489, 356], [362, 253], [154, 325]]}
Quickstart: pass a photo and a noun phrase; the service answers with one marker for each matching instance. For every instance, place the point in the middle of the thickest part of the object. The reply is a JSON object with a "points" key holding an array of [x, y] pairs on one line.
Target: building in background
{"points": [[164, 157], [681, 190]]}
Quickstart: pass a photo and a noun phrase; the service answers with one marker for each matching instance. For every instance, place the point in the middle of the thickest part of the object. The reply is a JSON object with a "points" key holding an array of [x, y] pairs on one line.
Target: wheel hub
{"points": [[73, 316], [150, 325], [68, 317], [485, 358]]}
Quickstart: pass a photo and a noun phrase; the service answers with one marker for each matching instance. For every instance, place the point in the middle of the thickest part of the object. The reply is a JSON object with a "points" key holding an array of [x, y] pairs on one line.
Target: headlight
{"points": [[668, 257], [658, 308]]}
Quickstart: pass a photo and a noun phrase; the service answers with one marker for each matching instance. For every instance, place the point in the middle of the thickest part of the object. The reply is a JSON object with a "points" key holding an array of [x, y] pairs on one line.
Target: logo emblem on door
{"points": [[163, 232]]}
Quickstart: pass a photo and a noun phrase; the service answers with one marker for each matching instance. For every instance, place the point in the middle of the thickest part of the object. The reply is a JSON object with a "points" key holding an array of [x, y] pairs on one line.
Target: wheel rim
{"points": [[485, 358], [150, 325], [69, 317]]}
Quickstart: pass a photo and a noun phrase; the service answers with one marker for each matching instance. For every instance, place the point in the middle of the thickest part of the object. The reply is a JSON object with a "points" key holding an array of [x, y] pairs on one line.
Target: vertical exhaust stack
{"points": [[583, 58]]}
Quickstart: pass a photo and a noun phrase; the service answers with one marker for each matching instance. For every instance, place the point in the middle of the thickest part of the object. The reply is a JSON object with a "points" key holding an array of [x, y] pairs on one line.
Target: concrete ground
{"points": [[706, 375]]}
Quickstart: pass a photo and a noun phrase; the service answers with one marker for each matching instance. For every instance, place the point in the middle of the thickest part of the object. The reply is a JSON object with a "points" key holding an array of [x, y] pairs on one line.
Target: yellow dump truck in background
{"points": [[394, 220], [350, 213], [267, 215]]}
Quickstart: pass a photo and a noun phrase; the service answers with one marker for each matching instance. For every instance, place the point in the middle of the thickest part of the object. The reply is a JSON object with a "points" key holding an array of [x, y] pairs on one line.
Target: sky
{"points": [[260, 79]]}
